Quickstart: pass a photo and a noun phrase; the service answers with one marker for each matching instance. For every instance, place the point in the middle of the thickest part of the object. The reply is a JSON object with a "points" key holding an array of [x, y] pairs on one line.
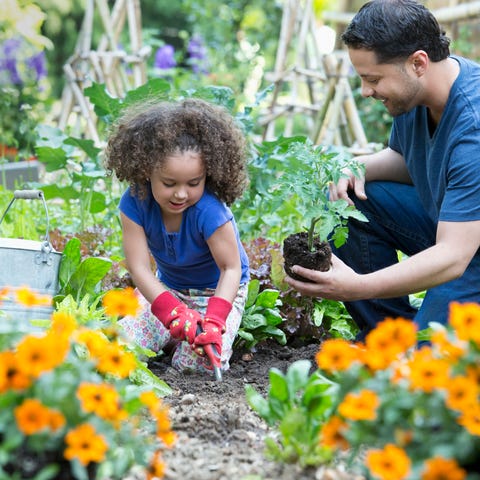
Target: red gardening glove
{"points": [[180, 320], [213, 325]]}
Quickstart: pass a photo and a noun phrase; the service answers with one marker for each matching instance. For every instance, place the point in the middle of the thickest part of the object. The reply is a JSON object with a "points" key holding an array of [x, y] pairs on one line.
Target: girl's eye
{"points": [[194, 184], [168, 185]]}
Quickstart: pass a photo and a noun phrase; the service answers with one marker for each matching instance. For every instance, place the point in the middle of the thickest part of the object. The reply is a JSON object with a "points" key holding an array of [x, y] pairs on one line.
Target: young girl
{"points": [[184, 162]]}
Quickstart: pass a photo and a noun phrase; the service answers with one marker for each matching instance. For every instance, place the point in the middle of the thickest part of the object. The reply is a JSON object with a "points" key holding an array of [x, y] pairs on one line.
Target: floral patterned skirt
{"points": [[148, 331]]}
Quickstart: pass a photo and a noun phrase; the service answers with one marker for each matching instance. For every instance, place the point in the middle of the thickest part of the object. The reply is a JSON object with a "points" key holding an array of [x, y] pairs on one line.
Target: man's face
{"points": [[394, 84]]}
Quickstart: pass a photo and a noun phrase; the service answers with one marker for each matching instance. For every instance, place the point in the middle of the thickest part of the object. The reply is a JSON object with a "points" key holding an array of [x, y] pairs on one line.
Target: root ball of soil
{"points": [[296, 252]]}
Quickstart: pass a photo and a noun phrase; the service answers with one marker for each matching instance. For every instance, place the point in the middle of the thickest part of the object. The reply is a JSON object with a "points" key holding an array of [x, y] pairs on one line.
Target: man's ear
{"points": [[419, 62]]}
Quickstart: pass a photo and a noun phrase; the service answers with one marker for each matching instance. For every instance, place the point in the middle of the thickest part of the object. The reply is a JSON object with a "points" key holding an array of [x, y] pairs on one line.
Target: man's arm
{"points": [[457, 243], [387, 165]]}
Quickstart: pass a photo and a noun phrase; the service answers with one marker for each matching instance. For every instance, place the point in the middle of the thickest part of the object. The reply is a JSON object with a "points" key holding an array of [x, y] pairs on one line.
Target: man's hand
{"points": [[180, 320], [340, 190], [339, 283]]}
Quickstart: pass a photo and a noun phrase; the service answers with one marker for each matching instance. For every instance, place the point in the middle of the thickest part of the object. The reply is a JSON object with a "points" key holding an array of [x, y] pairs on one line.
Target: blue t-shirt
{"points": [[183, 258], [444, 167]]}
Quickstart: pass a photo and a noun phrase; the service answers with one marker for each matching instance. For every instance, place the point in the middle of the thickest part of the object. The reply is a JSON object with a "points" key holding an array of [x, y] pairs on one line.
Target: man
{"points": [[421, 194]]}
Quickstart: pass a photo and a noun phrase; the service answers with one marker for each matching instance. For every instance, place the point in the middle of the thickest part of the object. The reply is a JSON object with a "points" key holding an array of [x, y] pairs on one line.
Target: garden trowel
{"points": [[214, 357]]}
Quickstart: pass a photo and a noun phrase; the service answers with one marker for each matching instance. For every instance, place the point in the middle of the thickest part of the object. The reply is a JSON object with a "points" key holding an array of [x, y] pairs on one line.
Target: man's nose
{"points": [[366, 91]]}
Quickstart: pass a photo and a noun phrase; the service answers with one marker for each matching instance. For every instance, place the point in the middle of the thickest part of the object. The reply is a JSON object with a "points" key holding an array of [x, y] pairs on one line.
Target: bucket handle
{"points": [[30, 195]]}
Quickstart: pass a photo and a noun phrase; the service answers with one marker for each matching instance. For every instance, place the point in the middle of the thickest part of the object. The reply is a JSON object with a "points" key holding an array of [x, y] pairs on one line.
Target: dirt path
{"points": [[219, 436]]}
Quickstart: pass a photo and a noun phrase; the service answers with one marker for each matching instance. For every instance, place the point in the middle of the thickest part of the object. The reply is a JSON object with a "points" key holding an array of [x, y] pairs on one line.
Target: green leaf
{"points": [[144, 376], [88, 275], [297, 375], [254, 321], [278, 385], [71, 258], [55, 191], [88, 146], [52, 158], [105, 105], [253, 289], [157, 88], [98, 202], [258, 403], [267, 298]]}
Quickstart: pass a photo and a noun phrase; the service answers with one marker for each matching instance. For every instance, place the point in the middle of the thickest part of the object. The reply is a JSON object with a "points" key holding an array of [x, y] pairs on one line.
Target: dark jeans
{"points": [[397, 221]]}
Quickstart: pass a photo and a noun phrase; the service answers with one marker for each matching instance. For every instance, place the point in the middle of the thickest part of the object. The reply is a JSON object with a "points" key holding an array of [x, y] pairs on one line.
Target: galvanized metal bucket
{"points": [[26, 263]]}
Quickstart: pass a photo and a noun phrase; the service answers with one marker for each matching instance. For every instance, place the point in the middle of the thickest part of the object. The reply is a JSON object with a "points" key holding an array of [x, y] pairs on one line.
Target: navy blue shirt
{"points": [[444, 167]]}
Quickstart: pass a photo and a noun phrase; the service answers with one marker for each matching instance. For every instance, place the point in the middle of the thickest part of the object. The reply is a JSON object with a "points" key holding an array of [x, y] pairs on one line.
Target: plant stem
{"points": [[311, 232]]}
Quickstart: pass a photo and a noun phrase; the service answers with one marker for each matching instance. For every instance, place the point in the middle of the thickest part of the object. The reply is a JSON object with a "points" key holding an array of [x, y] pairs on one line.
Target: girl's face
{"points": [[179, 183]]}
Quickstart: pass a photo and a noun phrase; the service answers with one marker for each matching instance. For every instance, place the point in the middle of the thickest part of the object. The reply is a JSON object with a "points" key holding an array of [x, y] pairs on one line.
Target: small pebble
{"points": [[188, 399]]}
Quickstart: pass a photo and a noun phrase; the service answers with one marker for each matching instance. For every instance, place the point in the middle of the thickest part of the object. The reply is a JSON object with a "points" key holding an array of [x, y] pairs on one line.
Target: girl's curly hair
{"points": [[148, 133]]}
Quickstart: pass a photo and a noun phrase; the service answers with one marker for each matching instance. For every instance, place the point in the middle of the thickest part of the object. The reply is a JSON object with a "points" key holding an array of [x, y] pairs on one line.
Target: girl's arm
{"points": [[224, 249], [137, 256]]}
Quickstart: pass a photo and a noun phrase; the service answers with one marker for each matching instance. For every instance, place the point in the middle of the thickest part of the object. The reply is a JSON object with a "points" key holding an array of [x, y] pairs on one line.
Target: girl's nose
{"points": [[180, 192]]}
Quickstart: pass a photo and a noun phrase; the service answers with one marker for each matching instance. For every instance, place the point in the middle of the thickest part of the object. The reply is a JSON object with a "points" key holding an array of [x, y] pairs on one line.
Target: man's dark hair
{"points": [[394, 29]]}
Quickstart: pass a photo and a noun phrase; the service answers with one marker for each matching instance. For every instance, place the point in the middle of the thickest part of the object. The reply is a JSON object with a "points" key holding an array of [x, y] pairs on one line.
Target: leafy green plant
{"points": [[412, 411], [303, 184], [23, 84], [68, 408], [80, 277], [260, 317], [296, 404], [334, 318], [288, 191]]}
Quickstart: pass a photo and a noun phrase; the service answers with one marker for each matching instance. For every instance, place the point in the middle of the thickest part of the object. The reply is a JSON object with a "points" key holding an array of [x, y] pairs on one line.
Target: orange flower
{"points": [[26, 296], [449, 350], [85, 445], [391, 463], [164, 425], [465, 319], [470, 419], [388, 340], [461, 392], [121, 302], [427, 372], [336, 355], [361, 406], [56, 420], [442, 469], [101, 399], [63, 323], [331, 433], [11, 375], [168, 438], [32, 416], [151, 400], [4, 291], [156, 469], [94, 340], [41, 354], [116, 361]]}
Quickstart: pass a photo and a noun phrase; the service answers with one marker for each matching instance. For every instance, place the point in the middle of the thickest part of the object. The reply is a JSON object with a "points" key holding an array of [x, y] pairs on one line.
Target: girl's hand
{"points": [[213, 325], [180, 320]]}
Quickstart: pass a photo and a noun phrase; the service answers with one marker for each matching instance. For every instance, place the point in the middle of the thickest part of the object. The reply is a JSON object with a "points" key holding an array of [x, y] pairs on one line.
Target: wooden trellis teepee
{"points": [[108, 63], [310, 86]]}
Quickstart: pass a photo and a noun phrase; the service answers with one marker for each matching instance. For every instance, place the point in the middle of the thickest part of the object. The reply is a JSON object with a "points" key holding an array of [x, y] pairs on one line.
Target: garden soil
{"points": [[219, 436], [297, 252]]}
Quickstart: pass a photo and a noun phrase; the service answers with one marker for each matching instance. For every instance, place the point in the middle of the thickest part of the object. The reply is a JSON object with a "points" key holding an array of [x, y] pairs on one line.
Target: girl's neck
{"points": [[172, 222]]}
